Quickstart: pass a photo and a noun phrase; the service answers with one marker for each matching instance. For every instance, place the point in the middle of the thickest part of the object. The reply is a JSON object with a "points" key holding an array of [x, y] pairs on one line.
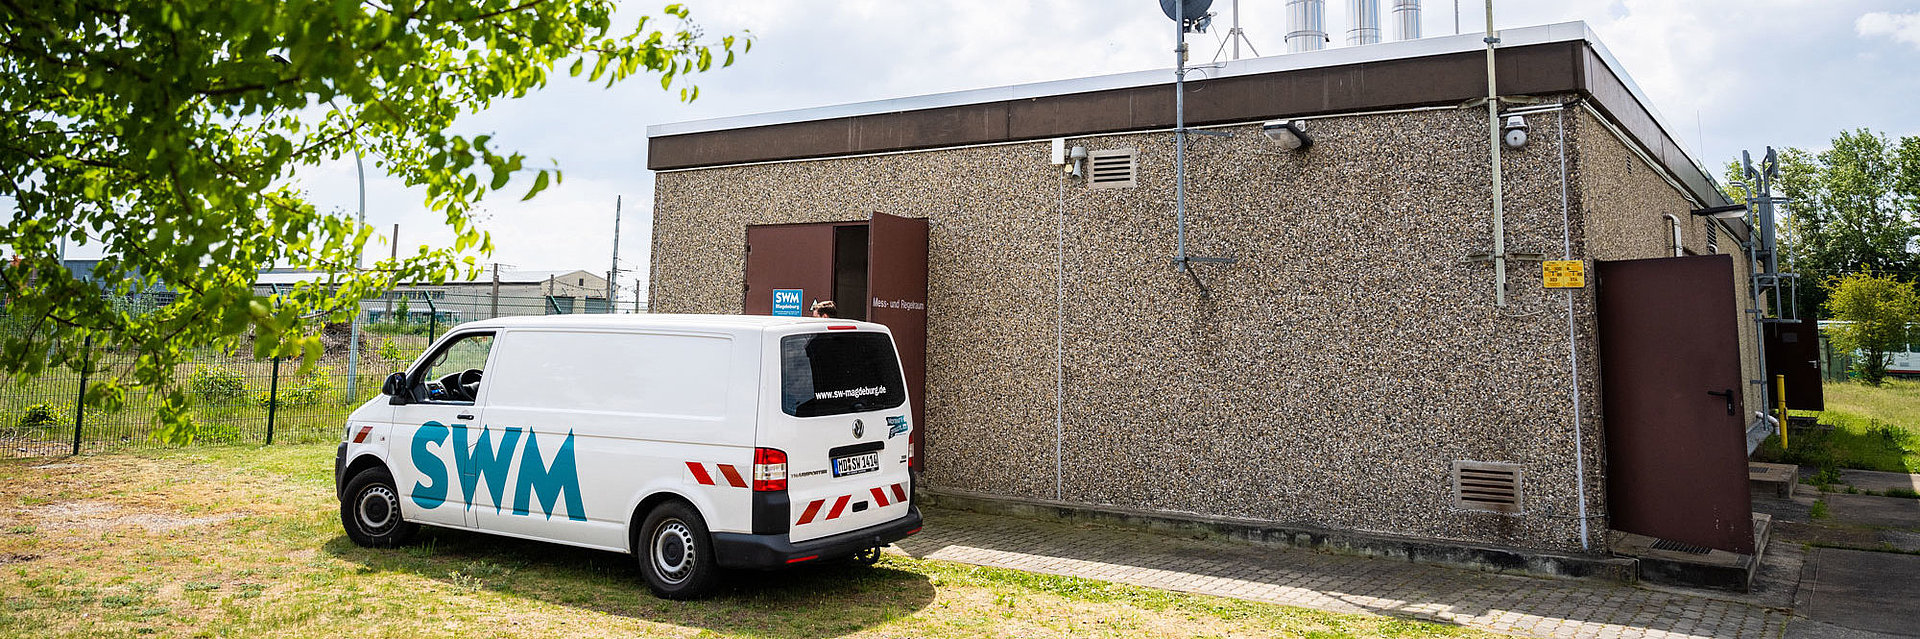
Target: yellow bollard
{"points": [[1780, 406]]}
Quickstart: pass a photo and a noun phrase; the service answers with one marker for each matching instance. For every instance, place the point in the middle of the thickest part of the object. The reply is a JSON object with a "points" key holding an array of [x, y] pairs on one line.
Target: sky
{"points": [[1726, 75]]}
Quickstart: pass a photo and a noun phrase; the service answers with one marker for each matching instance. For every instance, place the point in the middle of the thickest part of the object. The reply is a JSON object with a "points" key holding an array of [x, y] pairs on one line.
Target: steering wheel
{"points": [[462, 386]]}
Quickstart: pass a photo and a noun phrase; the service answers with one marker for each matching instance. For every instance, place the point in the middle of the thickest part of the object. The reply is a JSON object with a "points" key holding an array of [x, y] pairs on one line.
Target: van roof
{"points": [[652, 320]]}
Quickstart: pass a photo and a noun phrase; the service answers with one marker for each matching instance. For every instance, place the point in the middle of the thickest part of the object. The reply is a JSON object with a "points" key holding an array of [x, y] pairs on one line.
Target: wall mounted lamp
{"points": [[1728, 212], [1288, 134]]}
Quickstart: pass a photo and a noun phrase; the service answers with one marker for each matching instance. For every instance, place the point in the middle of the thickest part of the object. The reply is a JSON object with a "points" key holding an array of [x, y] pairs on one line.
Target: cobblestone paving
{"points": [[1231, 568]]}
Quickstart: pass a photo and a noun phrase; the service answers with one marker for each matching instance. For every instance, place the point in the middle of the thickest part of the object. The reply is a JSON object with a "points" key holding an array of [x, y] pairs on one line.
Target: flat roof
{"points": [[506, 277], [661, 320], [1556, 58]]}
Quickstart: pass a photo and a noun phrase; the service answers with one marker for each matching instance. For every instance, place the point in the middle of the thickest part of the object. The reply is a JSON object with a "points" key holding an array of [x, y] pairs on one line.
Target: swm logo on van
{"points": [[481, 461]]}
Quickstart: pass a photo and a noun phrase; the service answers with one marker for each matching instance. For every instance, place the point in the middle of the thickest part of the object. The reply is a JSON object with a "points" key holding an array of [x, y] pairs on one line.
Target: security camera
{"points": [[1516, 131]]}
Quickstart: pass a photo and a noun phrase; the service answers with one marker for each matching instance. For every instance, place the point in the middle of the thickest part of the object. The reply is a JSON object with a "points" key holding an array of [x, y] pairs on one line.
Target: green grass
{"points": [[1874, 428], [233, 541]]}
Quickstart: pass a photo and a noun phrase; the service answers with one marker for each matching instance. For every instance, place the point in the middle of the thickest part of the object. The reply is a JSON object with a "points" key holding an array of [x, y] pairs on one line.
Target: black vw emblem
{"points": [[859, 429]]}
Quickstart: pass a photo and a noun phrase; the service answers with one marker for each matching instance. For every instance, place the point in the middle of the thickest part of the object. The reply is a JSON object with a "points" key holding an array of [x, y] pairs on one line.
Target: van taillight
{"points": [[769, 469], [841, 328]]}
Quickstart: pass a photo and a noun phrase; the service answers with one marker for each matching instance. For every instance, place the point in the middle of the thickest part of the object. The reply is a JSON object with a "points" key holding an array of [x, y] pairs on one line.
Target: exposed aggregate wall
{"points": [[1330, 378]]}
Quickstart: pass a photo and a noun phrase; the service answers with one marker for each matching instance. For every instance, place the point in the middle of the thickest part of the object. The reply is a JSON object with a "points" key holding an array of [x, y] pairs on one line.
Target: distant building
{"points": [[517, 293]]}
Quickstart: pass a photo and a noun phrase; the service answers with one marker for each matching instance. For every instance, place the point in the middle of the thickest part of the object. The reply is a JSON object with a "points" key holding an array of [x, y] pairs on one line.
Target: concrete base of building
{"points": [[1412, 549], [1697, 567]]}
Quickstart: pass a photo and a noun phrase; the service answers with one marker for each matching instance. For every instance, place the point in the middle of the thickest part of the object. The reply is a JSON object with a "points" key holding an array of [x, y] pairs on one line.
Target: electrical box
{"points": [[1059, 151]]}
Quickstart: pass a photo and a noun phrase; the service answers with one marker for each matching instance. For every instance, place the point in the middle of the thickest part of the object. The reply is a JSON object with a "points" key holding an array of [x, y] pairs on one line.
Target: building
{"points": [[1350, 370], [494, 294]]}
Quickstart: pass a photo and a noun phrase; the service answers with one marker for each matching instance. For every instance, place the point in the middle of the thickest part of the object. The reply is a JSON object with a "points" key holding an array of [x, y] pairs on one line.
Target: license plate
{"points": [[856, 464]]}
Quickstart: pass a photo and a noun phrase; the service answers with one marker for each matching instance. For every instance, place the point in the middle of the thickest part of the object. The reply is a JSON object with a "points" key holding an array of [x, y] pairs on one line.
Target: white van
{"points": [[694, 442]]}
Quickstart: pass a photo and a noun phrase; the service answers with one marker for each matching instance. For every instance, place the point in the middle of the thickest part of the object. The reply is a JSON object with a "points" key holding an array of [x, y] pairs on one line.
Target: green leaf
{"points": [[539, 184]]}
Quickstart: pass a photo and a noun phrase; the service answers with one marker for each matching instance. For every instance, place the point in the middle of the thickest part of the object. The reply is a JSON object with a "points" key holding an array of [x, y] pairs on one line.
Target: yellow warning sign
{"points": [[1565, 274]]}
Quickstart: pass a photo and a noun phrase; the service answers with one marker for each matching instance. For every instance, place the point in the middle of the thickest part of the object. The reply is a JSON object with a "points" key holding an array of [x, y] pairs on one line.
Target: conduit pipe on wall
{"points": [[1493, 152], [1573, 344]]}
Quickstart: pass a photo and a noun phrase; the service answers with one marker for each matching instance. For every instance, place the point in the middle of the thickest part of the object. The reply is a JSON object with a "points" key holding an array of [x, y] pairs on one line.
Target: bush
{"points": [[216, 383], [310, 390], [43, 416]]}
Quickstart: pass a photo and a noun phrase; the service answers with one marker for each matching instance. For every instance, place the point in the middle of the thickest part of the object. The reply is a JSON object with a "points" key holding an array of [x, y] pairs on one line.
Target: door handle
{"points": [[1726, 395], [470, 415]]}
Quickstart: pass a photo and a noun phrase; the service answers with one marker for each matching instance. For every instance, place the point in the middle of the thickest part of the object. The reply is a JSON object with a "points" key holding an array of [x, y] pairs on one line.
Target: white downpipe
{"points": [[1573, 346], [1493, 152]]}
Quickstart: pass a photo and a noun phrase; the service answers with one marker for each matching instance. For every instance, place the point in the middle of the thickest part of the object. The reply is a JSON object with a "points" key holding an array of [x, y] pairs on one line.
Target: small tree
{"points": [[400, 312], [1876, 310]]}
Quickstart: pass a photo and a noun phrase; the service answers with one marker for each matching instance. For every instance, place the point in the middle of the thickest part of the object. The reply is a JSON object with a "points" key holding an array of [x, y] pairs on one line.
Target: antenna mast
{"points": [[1235, 36]]}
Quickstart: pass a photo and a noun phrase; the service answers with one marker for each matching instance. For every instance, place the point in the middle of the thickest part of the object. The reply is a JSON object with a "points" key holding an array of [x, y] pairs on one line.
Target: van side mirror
{"points": [[396, 388]]}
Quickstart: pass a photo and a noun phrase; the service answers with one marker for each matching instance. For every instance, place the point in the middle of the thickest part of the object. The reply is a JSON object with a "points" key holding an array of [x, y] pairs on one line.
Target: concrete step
{"points": [[1689, 567]]}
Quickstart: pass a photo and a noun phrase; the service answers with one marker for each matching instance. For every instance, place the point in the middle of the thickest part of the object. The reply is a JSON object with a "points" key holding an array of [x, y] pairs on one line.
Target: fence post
{"points": [[433, 318], [80, 402], [273, 399]]}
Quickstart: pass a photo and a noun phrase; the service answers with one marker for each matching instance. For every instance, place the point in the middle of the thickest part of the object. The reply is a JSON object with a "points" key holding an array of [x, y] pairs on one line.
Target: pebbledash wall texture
{"points": [[1329, 378]]}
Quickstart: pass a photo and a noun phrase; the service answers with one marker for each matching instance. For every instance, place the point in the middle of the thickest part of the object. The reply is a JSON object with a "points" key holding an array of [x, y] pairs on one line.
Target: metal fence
{"points": [[234, 397]]}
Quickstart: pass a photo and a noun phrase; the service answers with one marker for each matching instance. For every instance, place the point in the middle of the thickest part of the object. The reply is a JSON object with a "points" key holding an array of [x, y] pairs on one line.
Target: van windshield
{"points": [[839, 373]]}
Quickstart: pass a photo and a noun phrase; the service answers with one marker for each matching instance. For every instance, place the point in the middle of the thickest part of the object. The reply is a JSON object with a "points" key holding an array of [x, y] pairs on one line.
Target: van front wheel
{"points": [[675, 552], [370, 511]]}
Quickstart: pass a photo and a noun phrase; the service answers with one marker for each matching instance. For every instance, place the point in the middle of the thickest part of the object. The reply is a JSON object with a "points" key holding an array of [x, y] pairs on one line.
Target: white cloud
{"points": [[1902, 27]]}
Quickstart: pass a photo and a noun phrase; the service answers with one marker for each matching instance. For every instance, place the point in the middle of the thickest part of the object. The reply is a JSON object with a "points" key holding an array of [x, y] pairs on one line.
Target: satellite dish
{"points": [[1192, 8]]}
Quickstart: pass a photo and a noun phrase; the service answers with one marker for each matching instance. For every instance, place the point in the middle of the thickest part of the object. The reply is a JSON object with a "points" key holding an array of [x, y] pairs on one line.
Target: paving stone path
{"points": [[1231, 568]]}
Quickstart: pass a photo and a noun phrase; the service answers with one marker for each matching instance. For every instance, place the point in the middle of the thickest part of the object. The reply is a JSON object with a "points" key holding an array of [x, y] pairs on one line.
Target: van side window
{"points": [[454, 371]]}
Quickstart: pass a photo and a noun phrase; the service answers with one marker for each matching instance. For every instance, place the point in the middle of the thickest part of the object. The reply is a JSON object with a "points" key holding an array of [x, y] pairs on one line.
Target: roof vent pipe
{"points": [[1365, 28], [1406, 20], [1306, 25]]}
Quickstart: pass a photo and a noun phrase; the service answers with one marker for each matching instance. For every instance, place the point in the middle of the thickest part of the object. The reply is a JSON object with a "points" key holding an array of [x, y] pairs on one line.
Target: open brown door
{"points": [[897, 297], [1670, 374], [788, 257]]}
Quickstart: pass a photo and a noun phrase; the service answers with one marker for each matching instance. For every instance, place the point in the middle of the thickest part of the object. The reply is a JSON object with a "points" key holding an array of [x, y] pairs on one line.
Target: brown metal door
{"points": [[897, 297], [788, 256], [1793, 350], [1671, 392]]}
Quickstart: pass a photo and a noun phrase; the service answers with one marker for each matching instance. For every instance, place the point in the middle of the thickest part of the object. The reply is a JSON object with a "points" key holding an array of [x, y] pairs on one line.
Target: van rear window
{"points": [[839, 373]]}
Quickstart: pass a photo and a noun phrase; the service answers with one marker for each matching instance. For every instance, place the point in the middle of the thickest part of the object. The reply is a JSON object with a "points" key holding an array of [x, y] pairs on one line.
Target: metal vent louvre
{"points": [[1491, 486], [1110, 169]]}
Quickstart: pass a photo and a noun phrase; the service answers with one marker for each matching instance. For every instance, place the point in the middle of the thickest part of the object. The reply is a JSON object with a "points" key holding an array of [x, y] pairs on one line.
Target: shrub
{"points": [[43, 416], [216, 383], [309, 390]]}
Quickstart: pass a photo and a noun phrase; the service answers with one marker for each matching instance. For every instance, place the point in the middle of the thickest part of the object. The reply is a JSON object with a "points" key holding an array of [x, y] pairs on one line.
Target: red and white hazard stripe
{"points": [[883, 496], [727, 472]]}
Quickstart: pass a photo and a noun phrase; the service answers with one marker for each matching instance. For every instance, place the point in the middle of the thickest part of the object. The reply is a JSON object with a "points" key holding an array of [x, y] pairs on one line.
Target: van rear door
{"points": [[842, 419]]}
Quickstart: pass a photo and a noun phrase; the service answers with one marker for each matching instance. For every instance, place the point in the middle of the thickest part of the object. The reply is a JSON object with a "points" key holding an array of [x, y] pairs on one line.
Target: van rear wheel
{"points": [[676, 553], [370, 511]]}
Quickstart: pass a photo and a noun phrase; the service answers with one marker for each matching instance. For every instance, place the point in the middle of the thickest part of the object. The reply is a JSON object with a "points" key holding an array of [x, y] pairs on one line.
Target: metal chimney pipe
{"points": [[1365, 28], [1306, 25], [1406, 20]]}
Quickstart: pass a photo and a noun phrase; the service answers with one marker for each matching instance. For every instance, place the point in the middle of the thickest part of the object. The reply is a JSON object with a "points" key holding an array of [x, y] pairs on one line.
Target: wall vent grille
{"points": [[1111, 169], [1491, 486]]}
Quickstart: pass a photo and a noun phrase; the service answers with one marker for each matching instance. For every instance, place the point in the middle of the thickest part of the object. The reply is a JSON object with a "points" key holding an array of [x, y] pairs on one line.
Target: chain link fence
{"points": [[238, 399]]}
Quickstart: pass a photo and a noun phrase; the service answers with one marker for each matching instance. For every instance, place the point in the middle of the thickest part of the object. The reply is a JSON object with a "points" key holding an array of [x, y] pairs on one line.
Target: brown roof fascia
{"points": [[1453, 78]]}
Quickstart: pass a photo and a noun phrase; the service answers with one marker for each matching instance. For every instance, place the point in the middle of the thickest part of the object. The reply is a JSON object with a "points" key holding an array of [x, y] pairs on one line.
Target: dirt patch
{"points": [[53, 466], [16, 558], [96, 515]]}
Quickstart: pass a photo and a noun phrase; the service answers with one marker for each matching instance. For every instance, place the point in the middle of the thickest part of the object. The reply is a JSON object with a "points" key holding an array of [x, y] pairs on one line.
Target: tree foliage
{"points": [[166, 133], [1855, 206], [1876, 311]]}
